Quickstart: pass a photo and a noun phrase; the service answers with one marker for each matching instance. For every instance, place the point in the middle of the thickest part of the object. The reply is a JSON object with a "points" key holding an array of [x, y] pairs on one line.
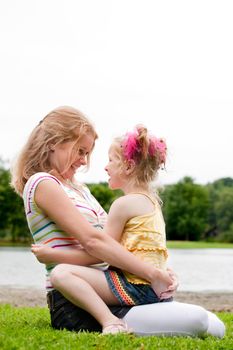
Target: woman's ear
{"points": [[130, 166]]}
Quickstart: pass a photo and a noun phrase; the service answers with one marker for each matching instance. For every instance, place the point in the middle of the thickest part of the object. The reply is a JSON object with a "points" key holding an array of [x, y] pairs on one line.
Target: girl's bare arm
{"points": [[117, 217], [74, 256]]}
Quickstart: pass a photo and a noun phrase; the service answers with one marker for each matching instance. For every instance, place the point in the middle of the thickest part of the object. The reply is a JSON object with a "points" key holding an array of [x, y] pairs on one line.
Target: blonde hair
{"points": [[144, 149], [63, 124]]}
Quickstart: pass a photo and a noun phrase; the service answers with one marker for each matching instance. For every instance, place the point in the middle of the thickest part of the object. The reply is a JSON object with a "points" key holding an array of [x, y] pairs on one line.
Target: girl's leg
{"points": [[87, 288], [168, 319], [216, 327]]}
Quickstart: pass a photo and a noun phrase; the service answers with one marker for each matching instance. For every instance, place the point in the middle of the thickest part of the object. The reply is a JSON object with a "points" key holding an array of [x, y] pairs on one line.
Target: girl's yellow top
{"points": [[145, 237]]}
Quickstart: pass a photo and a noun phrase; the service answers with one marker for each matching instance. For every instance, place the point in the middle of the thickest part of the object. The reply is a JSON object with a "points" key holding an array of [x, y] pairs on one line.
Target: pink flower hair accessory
{"points": [[159, 147], [130, 145]]}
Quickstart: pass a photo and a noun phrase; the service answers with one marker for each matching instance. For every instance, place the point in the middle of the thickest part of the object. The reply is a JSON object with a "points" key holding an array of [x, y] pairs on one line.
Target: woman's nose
{"points": [[83, 160]]}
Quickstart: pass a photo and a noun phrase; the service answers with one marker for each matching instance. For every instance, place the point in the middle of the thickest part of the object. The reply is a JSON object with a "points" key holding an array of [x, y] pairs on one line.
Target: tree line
{"points": [[192, 211]]}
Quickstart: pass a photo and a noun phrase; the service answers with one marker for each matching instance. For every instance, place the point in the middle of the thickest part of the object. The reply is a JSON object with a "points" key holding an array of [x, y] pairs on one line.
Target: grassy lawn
{"points": [[29, 328], [170, 244], [197, 245]]}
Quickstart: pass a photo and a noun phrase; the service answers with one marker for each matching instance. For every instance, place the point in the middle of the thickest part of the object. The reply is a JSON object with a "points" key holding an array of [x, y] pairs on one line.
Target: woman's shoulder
{"points": [[36, 178], [42, 176]]}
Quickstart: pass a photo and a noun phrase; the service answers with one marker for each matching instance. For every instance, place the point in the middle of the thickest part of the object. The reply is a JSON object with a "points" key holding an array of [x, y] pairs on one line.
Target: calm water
{"points": [[198, 269]]}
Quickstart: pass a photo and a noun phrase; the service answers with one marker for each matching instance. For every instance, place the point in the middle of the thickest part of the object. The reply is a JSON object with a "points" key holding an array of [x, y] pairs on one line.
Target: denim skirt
{"points": [[128, 293]]}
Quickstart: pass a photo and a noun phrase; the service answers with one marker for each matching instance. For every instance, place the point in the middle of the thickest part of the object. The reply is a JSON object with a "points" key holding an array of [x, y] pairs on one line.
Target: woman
{"points": [[44, 173]]}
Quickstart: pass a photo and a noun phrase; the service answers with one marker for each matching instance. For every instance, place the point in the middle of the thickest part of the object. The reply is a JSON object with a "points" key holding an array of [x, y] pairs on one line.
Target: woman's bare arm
{"points": [[52, 199]]}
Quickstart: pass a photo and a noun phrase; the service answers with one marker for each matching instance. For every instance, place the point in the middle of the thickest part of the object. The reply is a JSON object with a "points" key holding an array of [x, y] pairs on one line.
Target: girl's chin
{"points": [[109, 184]]}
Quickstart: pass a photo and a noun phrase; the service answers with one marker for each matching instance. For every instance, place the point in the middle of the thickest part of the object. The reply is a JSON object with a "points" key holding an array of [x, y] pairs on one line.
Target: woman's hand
{"points": [[42, 253]]}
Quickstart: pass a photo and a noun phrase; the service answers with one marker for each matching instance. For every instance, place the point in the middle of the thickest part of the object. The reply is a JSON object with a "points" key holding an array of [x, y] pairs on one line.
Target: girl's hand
{"points": [[173, 287], [42, 253], [163, 284]]}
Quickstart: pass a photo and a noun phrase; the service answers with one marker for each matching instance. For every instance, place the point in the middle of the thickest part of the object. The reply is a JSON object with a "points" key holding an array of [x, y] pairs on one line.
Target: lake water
{"points": [[198, 269]]}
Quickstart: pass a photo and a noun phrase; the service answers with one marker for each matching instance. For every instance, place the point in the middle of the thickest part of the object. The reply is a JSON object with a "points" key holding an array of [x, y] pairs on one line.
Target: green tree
{"points": [[4, 181], [226, 236], [13, 224], [222, 183], [220, 211], [223, 208], [104, 195], [185, 210]]}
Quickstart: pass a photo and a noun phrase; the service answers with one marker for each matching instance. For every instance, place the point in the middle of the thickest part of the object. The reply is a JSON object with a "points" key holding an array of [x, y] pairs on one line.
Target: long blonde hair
{"points": [[63, 124]]}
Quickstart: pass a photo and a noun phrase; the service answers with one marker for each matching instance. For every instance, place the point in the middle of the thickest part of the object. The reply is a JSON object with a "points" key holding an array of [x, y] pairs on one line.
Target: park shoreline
{"points": [[31, 297]]}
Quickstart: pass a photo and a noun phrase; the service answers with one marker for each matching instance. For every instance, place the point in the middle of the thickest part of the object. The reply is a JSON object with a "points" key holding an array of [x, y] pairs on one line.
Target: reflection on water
{"points": [[203, 269], [19, 268], [198, 269]]}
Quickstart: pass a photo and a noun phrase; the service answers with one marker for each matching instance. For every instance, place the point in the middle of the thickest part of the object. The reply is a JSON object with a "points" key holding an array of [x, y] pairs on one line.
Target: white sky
{"points": [[166, 64]]}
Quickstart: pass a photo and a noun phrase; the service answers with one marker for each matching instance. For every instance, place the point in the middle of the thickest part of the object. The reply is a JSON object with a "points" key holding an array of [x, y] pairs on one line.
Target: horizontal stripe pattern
{"points": [[44, 230]]}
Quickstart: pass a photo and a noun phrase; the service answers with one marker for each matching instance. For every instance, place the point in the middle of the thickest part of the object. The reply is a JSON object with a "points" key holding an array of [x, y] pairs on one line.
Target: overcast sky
{"points": [[166, 64]]}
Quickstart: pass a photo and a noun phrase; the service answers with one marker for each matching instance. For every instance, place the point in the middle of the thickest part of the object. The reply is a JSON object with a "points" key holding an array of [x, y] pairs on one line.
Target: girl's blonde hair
{"points": [[63, 124], [147, 152]]}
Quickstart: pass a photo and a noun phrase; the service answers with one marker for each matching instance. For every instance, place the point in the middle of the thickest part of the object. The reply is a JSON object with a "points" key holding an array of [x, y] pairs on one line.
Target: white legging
{"points": [[174, 319]]}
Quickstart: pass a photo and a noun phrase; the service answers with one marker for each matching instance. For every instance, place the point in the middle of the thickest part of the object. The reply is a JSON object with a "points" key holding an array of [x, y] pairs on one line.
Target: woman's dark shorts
{"points": [[65, 315]]}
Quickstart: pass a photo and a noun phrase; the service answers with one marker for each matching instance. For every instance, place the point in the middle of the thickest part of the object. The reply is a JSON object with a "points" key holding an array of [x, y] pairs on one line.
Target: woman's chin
{"points": [[69, 175]]}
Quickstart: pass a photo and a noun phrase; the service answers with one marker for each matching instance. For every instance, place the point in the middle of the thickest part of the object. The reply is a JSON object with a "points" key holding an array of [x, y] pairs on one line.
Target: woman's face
{"points": [[60, 155]]}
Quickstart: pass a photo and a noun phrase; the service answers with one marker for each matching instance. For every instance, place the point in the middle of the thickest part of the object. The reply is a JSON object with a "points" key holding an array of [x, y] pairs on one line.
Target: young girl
{"points": [[136, 221]]}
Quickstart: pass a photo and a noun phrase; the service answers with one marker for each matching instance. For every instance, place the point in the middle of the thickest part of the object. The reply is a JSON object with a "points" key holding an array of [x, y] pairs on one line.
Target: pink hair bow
{"points": [[130, 145], [158, 146]]}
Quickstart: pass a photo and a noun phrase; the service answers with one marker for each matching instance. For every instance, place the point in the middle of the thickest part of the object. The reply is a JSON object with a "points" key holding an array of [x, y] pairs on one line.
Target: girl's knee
{"points": [[58, 274]]}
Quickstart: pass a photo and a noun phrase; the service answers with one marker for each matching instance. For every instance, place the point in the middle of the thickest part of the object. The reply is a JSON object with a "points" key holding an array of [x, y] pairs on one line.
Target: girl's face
{"points": [[116, 177], [60, 155]]}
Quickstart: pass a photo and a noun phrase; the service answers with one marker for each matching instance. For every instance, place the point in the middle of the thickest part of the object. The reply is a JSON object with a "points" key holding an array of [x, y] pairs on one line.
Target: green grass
{"points": [[170, 244], [197, 245], [29, 328]]}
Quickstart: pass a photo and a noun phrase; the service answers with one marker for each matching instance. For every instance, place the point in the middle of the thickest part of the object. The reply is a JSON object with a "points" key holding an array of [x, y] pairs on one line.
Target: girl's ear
{"points": [[130, 166]]}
